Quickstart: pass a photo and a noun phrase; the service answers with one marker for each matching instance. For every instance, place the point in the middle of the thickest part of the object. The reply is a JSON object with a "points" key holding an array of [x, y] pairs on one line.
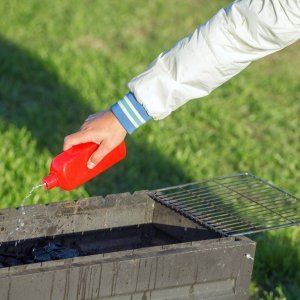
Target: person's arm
{"points": [[243, 32]]}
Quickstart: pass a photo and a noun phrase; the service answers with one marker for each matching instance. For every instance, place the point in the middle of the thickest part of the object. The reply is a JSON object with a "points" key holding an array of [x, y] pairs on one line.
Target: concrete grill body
{"points": [[145, 251]]}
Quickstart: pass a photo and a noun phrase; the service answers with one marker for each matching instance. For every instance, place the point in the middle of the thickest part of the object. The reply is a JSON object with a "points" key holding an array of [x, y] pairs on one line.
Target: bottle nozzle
{"points": [[50, 181]]}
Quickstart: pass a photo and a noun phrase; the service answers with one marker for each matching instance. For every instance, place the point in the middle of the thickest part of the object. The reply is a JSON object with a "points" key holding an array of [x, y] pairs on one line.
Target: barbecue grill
{"points": [[233, 205], [183, 242]]}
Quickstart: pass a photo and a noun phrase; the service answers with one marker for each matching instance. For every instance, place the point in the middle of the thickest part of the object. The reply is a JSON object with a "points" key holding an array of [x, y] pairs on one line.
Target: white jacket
{"points": [[217, 50]]}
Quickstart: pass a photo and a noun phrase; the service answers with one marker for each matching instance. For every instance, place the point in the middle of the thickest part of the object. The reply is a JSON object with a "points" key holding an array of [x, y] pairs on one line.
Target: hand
{"points": [[103, 129]]}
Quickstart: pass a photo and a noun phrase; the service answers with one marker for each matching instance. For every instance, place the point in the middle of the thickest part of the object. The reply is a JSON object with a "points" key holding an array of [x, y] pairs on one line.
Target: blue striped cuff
{"points": [[130, 113]]}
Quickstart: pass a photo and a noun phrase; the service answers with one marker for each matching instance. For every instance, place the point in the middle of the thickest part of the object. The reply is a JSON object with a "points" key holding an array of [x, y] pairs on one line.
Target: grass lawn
{"points": [[63, 60]]}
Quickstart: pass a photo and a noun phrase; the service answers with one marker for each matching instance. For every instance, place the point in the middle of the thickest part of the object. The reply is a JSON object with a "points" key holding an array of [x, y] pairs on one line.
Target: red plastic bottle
{"points": [[69, 169]]}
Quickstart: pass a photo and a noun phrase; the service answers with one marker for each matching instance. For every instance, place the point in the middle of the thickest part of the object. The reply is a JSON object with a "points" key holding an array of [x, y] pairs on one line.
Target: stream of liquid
{"points": [[21, 223]]}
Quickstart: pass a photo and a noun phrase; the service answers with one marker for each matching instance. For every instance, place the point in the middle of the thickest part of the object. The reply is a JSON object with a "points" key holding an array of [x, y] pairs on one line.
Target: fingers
{"points": [[75, 139], [98, 155], [102, 128]]}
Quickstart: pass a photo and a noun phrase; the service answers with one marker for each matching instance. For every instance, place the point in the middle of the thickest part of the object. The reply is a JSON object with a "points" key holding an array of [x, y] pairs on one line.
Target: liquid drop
{"points": [[28, 196], [21, 223]]}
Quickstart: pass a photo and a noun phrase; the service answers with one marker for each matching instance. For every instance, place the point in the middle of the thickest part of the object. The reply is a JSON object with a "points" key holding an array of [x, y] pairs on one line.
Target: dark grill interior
{"points": [[97, 242]]}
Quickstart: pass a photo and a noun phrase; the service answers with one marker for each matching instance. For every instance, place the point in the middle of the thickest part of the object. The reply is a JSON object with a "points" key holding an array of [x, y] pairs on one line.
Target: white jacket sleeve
{"points": [[218, 50]]}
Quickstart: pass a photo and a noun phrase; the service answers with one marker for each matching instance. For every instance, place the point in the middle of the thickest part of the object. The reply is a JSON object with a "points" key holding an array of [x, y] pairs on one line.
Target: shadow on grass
{"points": [[33, 96], [277, 265]]}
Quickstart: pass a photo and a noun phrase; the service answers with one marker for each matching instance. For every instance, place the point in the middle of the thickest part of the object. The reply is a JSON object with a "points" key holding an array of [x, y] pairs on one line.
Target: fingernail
{"points": [[90, 165]]}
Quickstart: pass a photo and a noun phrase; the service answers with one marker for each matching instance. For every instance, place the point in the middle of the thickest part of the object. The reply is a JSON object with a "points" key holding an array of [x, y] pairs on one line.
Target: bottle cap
{"points": [[50, 181]]}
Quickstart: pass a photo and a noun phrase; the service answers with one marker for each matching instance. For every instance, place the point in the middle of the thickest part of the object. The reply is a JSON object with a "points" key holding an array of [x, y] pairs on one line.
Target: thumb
{"points": [[98, 155]]}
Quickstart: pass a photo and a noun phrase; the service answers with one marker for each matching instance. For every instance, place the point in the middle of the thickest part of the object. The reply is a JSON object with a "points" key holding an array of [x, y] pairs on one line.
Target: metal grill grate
{"points": [[233, 205]]}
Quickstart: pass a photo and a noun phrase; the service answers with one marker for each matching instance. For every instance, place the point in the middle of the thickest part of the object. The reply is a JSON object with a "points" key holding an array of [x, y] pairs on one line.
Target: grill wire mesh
{"points": [[233, 205]]}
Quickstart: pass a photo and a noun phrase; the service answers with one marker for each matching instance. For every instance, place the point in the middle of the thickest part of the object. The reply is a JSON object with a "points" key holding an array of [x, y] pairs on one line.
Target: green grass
{"points": [[62, 60]]}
